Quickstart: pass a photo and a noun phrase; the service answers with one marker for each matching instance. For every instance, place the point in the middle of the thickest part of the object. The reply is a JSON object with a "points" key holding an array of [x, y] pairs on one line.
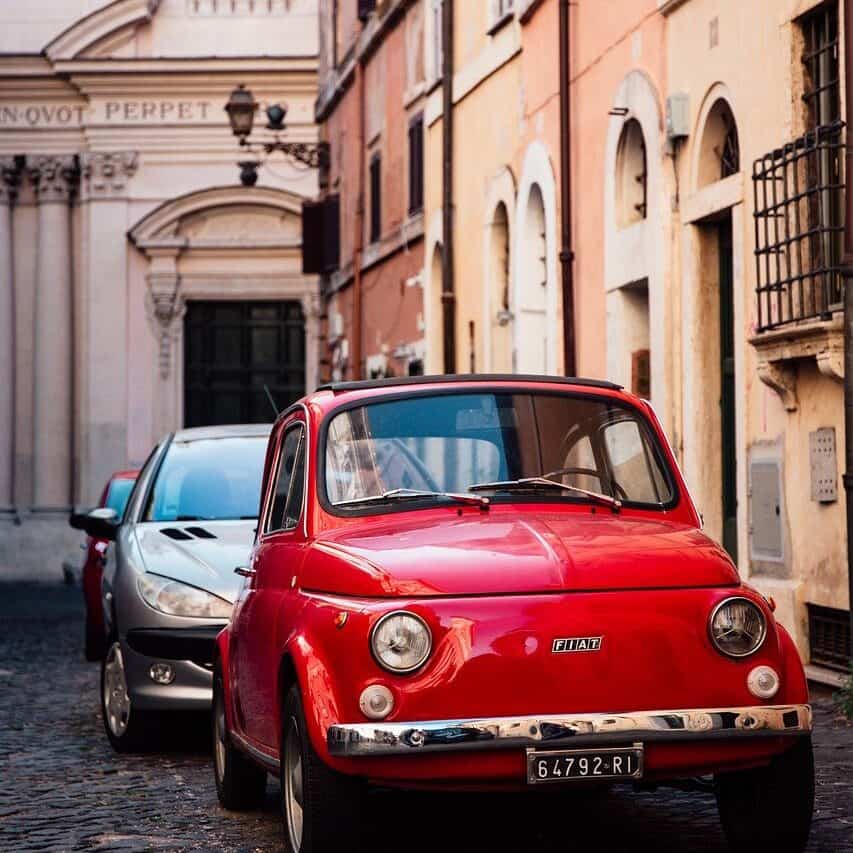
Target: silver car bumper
{"points": [[382, 739]]}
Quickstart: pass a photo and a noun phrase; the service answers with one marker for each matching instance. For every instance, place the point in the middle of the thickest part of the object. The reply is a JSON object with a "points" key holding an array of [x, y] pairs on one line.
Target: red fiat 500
{"points": [[482, 582]]}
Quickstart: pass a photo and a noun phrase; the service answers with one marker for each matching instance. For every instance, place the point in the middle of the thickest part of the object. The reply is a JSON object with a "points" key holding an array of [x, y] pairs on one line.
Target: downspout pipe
{"points": [[448, 283], [848, 305], [567, 255], [358, 241]]}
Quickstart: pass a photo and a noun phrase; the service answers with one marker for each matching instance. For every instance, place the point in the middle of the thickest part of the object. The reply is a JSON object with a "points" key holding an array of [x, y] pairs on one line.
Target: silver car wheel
{"points": [[219, 743], [293, 790], [116, 699]]}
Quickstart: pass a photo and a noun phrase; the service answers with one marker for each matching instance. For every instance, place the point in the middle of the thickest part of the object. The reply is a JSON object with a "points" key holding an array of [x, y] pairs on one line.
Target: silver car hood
{"points": [[201, 553]]}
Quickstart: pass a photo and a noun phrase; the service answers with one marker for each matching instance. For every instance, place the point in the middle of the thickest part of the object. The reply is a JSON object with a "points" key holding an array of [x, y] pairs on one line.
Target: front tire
{"points": [[128, 729], [240, 784], [321, 808], [769, 808]]}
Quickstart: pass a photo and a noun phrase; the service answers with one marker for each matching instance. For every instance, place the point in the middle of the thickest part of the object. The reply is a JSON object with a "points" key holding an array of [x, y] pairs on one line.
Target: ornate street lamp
{"points": [[241, 109]]}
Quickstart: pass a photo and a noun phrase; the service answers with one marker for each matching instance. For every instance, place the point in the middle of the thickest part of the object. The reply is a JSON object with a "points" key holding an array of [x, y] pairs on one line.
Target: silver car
{"points": [[169, 582]]}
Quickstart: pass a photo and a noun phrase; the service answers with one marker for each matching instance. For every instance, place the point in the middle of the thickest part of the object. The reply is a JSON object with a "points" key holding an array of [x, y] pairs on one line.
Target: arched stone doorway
{"points": [[714, 306], [230, 314], [536, 321]]}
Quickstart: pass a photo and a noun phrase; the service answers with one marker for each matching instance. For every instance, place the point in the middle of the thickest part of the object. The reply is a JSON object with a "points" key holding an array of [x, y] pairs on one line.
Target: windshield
{"points": [[118, 494], [209, 480], [453, 442]]}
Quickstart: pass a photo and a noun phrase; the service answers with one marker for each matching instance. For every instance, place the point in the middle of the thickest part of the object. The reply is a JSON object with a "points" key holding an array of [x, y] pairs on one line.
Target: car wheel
{"points": [[769, 808], [240, 784], [321, 808], [128, 728]]}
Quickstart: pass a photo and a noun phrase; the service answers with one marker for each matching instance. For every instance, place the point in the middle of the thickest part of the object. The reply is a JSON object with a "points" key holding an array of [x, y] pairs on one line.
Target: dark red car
{"points": [[115, 495], [497, 583]]}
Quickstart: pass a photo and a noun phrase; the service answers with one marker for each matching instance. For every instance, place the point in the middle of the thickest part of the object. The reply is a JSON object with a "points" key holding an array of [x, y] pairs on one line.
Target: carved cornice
{"points": [[105, 175], [10, 179], [780, 350], [54, 177]]}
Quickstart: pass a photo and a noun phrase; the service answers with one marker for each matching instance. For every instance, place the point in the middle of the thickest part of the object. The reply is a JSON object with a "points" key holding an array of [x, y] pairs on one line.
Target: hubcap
{"points": [[293, 792], [219, 736], [116, 700]]}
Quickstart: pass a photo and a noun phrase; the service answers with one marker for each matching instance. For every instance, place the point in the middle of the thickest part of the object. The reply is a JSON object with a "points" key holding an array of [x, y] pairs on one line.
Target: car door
{"points": [[277, 556]]}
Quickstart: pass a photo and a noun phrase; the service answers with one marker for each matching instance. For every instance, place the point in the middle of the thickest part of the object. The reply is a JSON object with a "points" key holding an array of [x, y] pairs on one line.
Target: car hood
{"points": [[206, 558], [507, 552]]}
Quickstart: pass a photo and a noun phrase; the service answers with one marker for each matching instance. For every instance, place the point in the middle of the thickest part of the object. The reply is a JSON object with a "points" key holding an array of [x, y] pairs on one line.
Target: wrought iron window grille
{"points": [[799, 226], [829, 636]]}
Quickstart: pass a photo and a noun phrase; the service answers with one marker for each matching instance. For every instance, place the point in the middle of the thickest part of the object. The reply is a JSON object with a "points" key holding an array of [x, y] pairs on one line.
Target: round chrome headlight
{"points": [[737, 627], [401, 642]]}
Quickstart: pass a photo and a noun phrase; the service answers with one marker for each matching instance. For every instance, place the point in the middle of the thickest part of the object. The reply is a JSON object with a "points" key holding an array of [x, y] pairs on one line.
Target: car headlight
{"points": [[737, 627], [401, 642], [180, 599]]}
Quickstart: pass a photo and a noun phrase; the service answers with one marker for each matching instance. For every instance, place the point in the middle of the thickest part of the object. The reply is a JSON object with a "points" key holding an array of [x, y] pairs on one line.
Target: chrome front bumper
{"points": [[382, 739]]}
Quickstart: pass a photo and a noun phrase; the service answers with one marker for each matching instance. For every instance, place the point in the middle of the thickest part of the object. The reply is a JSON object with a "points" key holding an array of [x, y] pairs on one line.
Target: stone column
{"points": [[9, 175], [101, 393], [54, 179]]}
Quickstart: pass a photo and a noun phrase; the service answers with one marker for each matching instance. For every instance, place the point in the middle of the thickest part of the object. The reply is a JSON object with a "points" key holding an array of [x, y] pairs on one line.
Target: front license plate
{"points": [[571, 765]]}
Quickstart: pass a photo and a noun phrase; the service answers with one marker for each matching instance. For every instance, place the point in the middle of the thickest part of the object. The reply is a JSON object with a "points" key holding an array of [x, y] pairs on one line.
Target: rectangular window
{"points": [[416, 164], [375, 198], [799, 194], [437, 36]]}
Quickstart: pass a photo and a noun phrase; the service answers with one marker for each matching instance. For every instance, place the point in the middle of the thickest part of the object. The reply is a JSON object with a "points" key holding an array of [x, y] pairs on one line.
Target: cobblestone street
{"points": [[65, 789]]}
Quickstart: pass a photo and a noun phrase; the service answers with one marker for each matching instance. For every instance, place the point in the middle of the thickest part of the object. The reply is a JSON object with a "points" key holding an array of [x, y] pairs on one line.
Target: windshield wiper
{"points": [[414, 494], [532, 483]]}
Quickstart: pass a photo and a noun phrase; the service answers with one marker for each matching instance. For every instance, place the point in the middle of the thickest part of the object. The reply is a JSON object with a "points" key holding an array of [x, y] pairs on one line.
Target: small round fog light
{"points": [[376, 702], [161, 673], [763, 682]]}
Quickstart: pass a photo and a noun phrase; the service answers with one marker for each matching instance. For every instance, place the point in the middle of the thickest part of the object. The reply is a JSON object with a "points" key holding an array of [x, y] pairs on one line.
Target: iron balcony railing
{"points": [[799, 225]]}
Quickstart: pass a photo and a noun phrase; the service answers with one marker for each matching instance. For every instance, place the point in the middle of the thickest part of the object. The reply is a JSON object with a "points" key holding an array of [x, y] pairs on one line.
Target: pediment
{"points": [[223, 218], [106, 32]]}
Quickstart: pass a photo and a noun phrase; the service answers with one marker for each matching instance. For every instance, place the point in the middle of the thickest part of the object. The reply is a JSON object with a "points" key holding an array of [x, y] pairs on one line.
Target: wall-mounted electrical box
{"points": [[823, 463], [677, 116]]}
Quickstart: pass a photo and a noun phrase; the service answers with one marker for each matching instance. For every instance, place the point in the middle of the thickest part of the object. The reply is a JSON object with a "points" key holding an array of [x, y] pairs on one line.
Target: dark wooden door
{"points": [[727, 389], [232, 352]]}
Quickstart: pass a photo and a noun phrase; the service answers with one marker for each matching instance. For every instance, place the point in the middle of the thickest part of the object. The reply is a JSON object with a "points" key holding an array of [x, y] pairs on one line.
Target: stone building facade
{"points": [[142, 288], [372, 88]]}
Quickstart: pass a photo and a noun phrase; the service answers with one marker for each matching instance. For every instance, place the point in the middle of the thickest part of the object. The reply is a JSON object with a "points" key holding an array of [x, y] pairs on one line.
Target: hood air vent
{"points": [[174, 533], [201, 533]]}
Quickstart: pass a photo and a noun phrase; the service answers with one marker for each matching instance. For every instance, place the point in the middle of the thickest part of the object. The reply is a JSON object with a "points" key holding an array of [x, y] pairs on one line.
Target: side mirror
{"points": [[102, 523], [77, 520]]}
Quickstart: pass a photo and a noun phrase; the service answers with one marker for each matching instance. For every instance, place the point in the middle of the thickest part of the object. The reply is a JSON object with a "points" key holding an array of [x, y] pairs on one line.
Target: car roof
{"points": [[394, 381], [227, 431]]}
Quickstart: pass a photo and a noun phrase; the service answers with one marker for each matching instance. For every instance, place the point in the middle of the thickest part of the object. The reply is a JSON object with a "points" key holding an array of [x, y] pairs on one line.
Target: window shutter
{"points": [[365, 7], [641, 373], [321, 235], [332, 233], [312, 237]]}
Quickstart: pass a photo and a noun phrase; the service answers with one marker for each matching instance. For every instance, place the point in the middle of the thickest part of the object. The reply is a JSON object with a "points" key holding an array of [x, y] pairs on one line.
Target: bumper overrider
{"points": [[417, 738]]}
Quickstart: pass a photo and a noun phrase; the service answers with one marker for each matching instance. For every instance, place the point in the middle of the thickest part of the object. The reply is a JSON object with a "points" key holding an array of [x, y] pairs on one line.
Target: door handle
{"points": [[244, 572]]}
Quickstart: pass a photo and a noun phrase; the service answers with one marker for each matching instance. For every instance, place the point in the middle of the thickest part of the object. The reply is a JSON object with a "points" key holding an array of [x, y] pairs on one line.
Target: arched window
{"points": [[501, 331], [719, 155], [631, 205]]}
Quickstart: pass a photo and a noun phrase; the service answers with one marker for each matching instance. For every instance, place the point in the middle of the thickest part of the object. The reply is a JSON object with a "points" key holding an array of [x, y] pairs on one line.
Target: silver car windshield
{"points": [[499, 444], [214, 479]]}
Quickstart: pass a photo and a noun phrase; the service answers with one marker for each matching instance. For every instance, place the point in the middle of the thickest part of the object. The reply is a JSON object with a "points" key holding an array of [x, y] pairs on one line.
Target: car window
{"points": [[630, 462], [287, 498], [135, 499], [451, 441], [118, 494], [211, 479]]}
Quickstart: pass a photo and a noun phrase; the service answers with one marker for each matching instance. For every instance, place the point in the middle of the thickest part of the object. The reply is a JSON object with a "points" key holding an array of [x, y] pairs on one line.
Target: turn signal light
{"points": [[376, 702], [763, 682]]}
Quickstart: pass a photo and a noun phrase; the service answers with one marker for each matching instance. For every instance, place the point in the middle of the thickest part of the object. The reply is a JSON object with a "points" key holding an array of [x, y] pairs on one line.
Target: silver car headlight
{"points": [[737, 627], [180, 599], [401, 642]]}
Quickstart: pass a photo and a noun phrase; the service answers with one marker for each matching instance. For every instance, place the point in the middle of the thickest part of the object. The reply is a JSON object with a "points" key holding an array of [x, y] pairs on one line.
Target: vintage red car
{"points": [[489, 582], [115, 495]]}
